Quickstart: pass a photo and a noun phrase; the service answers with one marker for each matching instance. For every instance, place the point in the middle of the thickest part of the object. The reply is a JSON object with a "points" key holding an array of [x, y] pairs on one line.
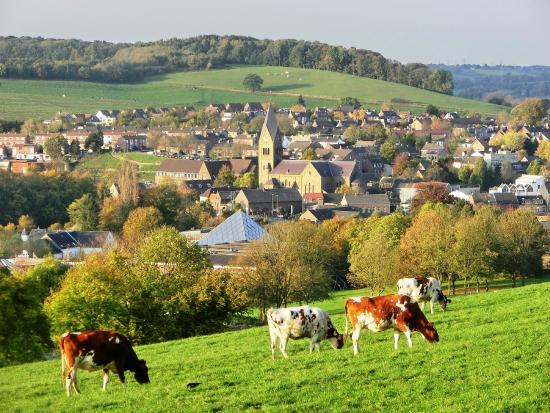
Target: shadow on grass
{"points": [[289, 86]]}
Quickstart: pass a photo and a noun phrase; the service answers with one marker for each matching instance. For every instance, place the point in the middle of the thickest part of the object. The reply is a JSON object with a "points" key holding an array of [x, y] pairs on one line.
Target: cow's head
{"points": [[443, 300], [430, 333], [141, 373], [336, 340]]}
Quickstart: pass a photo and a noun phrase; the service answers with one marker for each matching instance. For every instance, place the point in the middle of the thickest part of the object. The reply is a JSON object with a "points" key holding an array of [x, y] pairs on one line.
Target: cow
{"points": [[422, 289], [99, 350], [381, 313], [300, 322]]}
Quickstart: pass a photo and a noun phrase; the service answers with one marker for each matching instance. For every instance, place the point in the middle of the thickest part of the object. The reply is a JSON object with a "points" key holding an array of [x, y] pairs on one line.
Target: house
{"points": [[319, 215], [75, 244], [421, 124], [9, 139], [221, 199], [367, 203], [434, 151], [185, 170], [230, 110], [254, 109], [504, 201], [107, 117], [130, 142], [27, 151], [269, 201], [494, 159], [526, 186]]}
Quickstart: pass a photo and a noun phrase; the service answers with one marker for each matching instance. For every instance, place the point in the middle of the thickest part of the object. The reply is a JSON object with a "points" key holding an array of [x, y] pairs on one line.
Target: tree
{"points": [[349, 101], [225, 177], [255, 124], [464, 174], [432, 192], [309, 154], [373, 255], [301, 101], [291, 264], [433, 110], [523, 242], [543, 151], [345, 189], [83, 213], [476, 246], [24, 328], [247, 180], [534, 167], [479, 175], [400, 164], [507, 172], [285, 125], [388, 150], [530, 111], [167, 199], [56, 147], [25, 223], [74, 148], [127, 181], [377, 133], [253, 82], [113, 213], [353, 133], [140, 223], [513, 141], [94, 141]]}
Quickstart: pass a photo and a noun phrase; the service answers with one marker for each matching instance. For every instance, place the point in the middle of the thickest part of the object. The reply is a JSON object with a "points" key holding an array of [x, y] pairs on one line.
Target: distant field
{"points": [[20, 99], [493, 356], [147, 164]]}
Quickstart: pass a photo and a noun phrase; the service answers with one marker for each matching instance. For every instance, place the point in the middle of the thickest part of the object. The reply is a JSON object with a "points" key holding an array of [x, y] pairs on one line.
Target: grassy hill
{"points": [[42, 98], [494, 355], [146, 163]]}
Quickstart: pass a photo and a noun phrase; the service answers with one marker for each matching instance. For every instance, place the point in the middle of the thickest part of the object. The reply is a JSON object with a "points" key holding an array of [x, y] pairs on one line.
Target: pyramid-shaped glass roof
{"points": [[239, 227]]}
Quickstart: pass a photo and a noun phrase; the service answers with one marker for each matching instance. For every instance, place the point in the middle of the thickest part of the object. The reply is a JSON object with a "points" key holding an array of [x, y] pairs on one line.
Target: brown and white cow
{"points": [[300, 322], [422, 290], [99, 350], [384, 312]]}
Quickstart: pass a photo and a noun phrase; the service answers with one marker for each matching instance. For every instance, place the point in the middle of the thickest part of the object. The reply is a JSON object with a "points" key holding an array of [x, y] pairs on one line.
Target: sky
{"points": [[514, 32]]}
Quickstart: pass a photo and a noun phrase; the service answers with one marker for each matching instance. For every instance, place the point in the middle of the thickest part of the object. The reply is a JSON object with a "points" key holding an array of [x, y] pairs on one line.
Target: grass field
{"points": [[21, 99], [147, 164], [494, 356]]}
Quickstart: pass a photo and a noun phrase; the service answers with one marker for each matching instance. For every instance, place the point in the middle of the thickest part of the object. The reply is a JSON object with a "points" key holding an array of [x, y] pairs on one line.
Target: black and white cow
{"points": [[301, 322], [422, 290]]}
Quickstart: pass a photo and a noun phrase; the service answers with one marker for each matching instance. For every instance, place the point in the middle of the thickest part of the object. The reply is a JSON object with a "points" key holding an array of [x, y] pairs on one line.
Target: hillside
{"points": [[42, 98], [147, 164], [493, 356]]}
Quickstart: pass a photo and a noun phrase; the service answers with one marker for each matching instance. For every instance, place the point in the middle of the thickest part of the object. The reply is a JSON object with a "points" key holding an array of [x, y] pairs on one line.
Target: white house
{"points": [[526, 185]]}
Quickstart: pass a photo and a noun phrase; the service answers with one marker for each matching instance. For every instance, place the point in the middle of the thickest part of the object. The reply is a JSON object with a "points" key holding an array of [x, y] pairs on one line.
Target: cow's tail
{"points": [[269, 316], [63, 363], [346, 316]]}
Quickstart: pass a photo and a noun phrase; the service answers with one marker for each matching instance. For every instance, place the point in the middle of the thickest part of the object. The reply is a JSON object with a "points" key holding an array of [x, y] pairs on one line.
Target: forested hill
{"points": [[38, 58]]}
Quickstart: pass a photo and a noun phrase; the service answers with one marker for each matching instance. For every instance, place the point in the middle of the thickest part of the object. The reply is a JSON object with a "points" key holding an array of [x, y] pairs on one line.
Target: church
{"points": [[304, 175]]}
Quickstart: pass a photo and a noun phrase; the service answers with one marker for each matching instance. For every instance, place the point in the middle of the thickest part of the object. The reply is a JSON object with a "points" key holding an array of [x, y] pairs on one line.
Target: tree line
{"points": [[38, 58]]}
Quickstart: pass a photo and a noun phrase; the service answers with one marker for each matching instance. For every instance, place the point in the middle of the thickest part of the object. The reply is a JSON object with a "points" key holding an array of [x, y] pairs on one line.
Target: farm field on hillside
{"points": [[147, 164], [494, 355], [21, 99]]}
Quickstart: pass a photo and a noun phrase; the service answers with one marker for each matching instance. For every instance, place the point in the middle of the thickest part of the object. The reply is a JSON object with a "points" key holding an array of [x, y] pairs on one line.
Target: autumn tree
{"points": [[400, 164], [247, 180], [113, 213], [291, 264], [534, 167], [127, 182], [25, 223], [225, 177], [309, 154], [56, 147], [530, 111], [513, 141], [433, 192], [354, 133], [374, 252], [476, 247], [543, 151], [140, 222]]}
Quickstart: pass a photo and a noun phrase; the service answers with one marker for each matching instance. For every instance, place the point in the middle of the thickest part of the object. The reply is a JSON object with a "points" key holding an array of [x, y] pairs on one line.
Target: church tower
{"points": [[270, 148]]}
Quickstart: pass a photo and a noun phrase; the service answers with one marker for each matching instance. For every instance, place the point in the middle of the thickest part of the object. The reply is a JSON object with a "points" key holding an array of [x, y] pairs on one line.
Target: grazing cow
{"points": [[99, 350], [300, 322], [381, 313], [422, 289]]}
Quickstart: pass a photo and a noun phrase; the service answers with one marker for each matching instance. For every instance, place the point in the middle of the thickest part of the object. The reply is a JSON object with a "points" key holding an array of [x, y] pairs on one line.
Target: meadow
{"points": [[493, 356], [97, 164], [21, 99]]}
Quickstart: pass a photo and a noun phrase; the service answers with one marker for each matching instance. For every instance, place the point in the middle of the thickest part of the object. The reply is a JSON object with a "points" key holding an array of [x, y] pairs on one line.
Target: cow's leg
{"points": [[408, 334], [432, 306], [282, 345], [318, 346], [120, 370], [105, 378], [273, 344], [355, 338], [422, 305], [68, 382], [314, 344], [74, 379], [396, 335]]}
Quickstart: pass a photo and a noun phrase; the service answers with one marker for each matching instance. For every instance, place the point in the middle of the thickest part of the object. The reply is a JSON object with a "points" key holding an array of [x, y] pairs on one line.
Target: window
{"points": [[265, 151]]}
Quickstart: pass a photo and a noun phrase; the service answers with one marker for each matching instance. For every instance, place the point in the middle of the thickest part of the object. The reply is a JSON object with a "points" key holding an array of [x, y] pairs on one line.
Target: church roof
{"points": [[239, 227], [270, 122]]}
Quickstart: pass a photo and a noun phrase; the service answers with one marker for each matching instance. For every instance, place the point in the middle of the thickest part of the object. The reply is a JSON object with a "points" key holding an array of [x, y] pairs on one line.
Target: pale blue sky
{"points": [[428, 31]]}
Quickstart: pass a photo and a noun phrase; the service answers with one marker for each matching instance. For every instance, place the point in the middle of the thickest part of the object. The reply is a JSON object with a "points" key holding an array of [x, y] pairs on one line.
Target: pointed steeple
{"points": [[270, 148]]}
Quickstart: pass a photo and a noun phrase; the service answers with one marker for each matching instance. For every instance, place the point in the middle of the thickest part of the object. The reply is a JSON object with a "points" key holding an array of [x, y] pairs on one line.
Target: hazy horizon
{"points": [[489, 32]]}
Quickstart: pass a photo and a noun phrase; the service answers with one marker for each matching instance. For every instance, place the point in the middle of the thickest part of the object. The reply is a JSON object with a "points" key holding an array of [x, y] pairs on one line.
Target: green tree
{"points": [[83, 213], [464, 174], [301, 101], [94, 141], [74, 148], [530, 111], [507, 172], [24, 328], [56, 147], [388, 150], [167, 199], [513, 141], [140, 223], [479, 175], [543, 151], [349, 101], [253, 82], [255, 124], [247, 180], [113, 213], [433, 110], [353, 133]]}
